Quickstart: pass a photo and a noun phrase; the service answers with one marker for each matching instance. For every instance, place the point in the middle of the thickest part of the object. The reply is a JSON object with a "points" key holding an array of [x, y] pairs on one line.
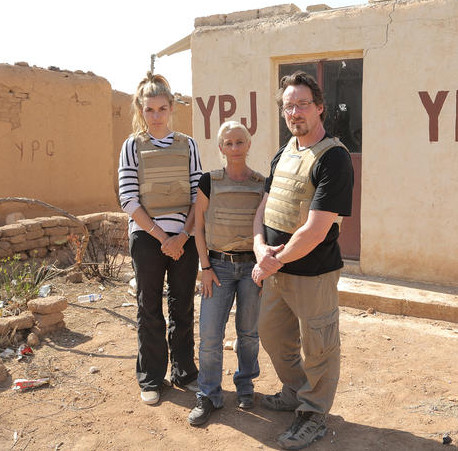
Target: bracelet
{"points": [[186, 233], [207, 268], [152, 228]]}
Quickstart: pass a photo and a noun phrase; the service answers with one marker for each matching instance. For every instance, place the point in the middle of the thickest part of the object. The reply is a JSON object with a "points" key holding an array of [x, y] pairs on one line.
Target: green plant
{"points": [[20, 282]]}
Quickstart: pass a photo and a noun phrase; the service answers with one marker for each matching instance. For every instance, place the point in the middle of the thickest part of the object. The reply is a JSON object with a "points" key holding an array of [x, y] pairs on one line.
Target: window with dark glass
{"points": [[341, 81]]}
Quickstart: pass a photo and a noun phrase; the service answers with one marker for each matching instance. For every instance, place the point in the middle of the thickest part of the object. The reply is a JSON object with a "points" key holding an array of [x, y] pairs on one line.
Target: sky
{"points": [[115, 38]]}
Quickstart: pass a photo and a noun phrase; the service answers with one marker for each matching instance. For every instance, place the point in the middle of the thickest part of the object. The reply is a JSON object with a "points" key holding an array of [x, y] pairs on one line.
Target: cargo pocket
{"points": [[323, 335]]}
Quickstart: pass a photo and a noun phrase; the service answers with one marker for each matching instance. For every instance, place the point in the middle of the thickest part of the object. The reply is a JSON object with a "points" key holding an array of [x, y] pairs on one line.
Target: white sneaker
{"points": [[150, 397]]}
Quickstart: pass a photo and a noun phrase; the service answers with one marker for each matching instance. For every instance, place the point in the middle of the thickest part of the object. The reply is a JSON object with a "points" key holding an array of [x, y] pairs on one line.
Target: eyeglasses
{"points": [[301, 106]]}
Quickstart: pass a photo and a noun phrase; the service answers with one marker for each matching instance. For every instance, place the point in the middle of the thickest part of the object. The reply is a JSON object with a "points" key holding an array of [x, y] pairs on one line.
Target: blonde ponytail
{"points": [[152, 85]]}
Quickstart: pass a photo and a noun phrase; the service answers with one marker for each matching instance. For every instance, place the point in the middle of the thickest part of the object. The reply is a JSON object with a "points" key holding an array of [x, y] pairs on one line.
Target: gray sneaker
{"points": [[201, 413], [276, 402], [306, 428]]}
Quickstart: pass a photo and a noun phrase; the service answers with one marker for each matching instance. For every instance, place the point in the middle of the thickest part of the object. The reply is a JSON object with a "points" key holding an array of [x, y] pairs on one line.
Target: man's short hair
{"points": [[302, 78]]}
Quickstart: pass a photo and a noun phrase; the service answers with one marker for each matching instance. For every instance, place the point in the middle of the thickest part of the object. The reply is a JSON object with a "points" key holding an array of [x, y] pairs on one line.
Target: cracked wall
{"points": [[10, 105]]}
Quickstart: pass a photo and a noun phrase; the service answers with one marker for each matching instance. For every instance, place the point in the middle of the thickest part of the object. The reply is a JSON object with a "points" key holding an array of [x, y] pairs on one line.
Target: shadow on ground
{"points": [[341, 435]]}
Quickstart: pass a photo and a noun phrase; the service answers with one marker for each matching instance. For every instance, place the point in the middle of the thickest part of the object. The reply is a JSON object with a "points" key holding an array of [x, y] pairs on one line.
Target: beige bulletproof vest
{"points": [[292, 190], [163, 175], [230, 214]]}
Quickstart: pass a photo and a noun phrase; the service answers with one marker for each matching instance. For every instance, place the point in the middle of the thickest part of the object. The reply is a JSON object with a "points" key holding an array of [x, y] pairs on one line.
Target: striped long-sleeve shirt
{"points": [[129, 187]]}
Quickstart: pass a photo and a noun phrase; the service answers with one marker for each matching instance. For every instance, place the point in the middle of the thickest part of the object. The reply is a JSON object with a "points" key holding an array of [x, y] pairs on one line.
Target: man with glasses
{"points": [[299, 261]]}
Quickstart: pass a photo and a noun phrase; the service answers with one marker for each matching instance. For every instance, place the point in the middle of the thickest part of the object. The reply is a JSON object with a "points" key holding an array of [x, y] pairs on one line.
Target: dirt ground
{"points": [[398, 388]]}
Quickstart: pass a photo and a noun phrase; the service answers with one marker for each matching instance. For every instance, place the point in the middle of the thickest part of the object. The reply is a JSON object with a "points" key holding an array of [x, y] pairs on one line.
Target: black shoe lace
{"points": [[202, 403], [299, 421]]}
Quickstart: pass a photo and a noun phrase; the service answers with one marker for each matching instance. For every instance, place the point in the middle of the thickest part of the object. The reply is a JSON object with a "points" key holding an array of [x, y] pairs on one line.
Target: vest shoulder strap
{"points": [[339, 143], [327, 144], [323, 145], [257, 177], [217, 174], [180, 137], [142, 142]]}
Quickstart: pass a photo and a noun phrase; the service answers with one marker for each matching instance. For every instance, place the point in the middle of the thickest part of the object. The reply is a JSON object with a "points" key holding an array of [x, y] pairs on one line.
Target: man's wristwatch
{"points": [[186, 233]]}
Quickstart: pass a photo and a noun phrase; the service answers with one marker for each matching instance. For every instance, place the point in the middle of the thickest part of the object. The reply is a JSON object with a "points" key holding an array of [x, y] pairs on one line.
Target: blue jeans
{"points": [[235, 279]]}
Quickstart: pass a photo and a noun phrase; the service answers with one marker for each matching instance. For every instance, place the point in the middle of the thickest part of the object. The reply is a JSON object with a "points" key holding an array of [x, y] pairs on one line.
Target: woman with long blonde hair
{"points": [[159, 170]]}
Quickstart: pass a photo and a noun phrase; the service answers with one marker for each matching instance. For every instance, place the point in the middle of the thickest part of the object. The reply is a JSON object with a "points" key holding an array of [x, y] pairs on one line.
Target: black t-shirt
{"points": [[332, 177], [205, 184]]}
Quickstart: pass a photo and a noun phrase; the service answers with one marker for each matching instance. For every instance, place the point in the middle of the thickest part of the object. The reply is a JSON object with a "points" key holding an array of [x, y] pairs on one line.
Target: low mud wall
{"points": [[44, 237]]}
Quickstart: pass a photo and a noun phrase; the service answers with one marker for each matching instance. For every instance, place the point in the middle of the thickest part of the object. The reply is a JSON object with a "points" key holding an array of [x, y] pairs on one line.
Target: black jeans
{"points": [[150, 266]]}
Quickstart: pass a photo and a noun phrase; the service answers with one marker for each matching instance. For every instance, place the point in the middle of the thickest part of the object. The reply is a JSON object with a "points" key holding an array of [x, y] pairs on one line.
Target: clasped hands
{"points": [[266, 264], [173, 246]]}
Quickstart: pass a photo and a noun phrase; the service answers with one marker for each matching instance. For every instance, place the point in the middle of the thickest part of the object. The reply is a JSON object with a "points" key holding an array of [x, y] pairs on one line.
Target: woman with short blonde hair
{"points": [[227, 200]]}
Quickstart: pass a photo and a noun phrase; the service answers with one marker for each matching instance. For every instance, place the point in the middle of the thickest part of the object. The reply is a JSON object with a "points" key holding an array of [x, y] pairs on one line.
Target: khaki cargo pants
{"points": [[300, 315]]}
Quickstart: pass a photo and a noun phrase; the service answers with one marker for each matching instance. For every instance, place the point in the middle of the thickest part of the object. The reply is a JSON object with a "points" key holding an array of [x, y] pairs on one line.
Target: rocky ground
{"points": [[398, 388]]}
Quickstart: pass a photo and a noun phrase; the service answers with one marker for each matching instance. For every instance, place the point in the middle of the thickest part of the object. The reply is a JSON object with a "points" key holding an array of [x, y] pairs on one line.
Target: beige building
{"points": [[398, 61]]}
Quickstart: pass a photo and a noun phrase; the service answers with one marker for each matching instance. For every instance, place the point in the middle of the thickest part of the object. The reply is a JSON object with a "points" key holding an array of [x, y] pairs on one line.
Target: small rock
{"points": [[94, 369], [386, 337], [132, 290], [3, 372], [75, 277], [7, 353], [44, 291], [127, 276], [371, 311], [18, 336], [228, 372], [32, 339], [446, 439], [228, 345]]}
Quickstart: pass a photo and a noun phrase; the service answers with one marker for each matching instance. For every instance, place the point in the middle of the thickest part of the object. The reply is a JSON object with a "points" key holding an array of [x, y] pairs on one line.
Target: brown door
{"points": [[350, 233]]}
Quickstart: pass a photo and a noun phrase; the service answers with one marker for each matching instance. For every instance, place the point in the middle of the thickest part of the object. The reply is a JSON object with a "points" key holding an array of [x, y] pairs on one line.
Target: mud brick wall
{"points": [[57, 130], [42, 237]]}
